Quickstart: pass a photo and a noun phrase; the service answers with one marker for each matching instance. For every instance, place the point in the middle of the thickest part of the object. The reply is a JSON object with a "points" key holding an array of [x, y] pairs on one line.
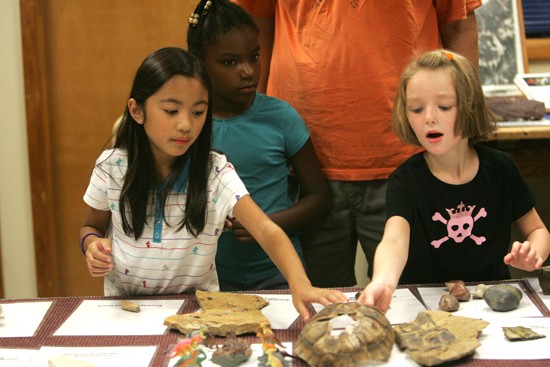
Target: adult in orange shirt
{"points": [[338, 63]]}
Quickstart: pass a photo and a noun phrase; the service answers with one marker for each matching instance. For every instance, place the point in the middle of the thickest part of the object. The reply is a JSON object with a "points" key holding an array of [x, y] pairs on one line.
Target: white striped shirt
{"points": [[176, 261]]}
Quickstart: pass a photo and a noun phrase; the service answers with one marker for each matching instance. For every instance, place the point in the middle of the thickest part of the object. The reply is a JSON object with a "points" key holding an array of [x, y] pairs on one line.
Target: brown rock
{"points": [[448, 303], [451, 283], [514, 108], [436, 337], [521, 333], [222, 313], [218, 322], [233, 352], [460, 292], [226, 301]]}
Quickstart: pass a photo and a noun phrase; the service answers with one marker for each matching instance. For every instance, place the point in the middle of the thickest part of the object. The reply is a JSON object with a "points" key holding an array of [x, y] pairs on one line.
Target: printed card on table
{"points": [[106, 317], [16, 357], [96, 356], [280, 311], [494, 345], [22, 319]]}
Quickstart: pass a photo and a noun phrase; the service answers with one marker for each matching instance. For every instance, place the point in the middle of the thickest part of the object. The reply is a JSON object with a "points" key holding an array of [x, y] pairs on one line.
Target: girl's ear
{"points": [[135, 111]]}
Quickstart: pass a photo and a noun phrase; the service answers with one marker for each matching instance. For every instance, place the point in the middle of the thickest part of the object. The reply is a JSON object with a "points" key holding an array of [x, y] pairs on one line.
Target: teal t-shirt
{"points": [[259, 144]]}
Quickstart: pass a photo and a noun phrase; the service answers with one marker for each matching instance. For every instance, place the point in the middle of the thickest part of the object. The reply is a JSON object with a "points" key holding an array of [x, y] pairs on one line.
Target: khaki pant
{"points": [[358, 213]]}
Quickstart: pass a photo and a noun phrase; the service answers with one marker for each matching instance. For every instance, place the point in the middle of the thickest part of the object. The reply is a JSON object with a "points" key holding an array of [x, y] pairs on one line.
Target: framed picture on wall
{"points": [[502, 52]]}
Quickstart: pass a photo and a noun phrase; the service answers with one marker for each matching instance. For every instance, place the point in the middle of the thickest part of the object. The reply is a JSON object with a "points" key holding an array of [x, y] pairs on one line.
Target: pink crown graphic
{"points": [[461, 210]]}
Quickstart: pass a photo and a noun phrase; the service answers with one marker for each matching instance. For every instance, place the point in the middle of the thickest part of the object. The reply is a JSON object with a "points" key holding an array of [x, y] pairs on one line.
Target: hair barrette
{"points": [[448, 55], [194, 19]]}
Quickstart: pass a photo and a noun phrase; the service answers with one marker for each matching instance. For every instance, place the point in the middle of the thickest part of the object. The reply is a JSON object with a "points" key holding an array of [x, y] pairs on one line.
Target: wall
{"points": [[17, 244]]}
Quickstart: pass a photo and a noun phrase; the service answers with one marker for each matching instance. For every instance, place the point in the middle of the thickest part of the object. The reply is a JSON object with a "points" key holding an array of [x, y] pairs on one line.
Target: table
{"points": [[63, 307], [520, 132]]}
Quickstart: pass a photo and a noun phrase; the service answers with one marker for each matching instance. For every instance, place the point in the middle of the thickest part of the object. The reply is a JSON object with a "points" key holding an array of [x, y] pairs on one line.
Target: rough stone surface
{"points": [[513, 108], [521, 333], [218, 322], [222, 313], [436, 337]]}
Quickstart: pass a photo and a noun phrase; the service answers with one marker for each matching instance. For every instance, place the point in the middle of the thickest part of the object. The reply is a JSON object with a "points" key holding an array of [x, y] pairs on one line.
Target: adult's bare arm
{"points": [[462, 37], [267, 34]]}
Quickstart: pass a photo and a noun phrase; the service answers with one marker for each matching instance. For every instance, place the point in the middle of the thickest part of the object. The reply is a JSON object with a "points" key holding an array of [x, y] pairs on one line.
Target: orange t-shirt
{"points": [[339, 64]]}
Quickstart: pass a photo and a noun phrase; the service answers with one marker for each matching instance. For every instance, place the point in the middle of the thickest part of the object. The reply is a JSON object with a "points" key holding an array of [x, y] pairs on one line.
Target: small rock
{"points": [[233, 352], [502, 297], [129, 306], [460, 292], [451, 283], [521, 333], [448, 303], [479, 291]]}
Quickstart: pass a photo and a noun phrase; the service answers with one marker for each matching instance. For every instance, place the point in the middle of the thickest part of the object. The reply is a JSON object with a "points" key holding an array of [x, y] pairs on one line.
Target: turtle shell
{"points": [[345, 334]]}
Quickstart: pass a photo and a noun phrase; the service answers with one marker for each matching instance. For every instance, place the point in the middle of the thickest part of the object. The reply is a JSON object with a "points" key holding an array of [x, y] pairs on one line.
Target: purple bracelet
{"points": [[84, 237]]}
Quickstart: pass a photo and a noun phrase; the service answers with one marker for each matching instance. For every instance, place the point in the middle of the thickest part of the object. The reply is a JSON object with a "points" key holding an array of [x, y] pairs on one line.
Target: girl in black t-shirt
{"points": [[450, 207]]}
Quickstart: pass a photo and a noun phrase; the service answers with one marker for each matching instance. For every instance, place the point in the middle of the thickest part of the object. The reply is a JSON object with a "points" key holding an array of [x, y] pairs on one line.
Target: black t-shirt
{"points": [[458, 231]]}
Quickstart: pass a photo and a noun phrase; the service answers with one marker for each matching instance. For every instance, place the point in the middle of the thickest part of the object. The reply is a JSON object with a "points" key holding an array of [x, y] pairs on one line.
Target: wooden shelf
{"points": [[538, 48], [521, 133]]}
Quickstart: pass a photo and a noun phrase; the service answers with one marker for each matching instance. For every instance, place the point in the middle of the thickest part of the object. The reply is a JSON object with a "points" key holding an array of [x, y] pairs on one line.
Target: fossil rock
{"points": [[521, 333], [436, 337], [460, 292], [502, 297], [448, 303], [233, 352], [345, 334], [129, 306], [451, 283], [212, 300], [479, 291], [222, 313], [218, 322], [514, 108]]}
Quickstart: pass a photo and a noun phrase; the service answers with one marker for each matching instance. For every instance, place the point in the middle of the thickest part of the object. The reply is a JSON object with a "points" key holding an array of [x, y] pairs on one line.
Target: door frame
{"points": [[40, 162]]}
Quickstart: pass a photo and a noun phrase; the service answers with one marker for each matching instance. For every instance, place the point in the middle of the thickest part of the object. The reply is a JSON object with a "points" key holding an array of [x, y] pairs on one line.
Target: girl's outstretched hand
{"points": [[302, 297], [98, 257], [523, 256], [377, 294]]}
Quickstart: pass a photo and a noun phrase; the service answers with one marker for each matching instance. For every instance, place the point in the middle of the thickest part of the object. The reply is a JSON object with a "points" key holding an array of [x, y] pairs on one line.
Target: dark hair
{"points": [[139, 181], [475, 120], [211, 18]]}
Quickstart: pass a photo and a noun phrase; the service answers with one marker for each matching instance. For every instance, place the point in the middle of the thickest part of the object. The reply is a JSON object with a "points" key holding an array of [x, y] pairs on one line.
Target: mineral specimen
{"points": [[448, 303], [521, 333], [502, 297], [233, 352], [479, 291], [436, 337]]}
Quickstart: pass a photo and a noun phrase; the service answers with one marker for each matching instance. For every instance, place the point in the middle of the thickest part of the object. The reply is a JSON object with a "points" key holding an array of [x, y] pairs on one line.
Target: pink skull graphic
{"points": [[460, 224]]}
